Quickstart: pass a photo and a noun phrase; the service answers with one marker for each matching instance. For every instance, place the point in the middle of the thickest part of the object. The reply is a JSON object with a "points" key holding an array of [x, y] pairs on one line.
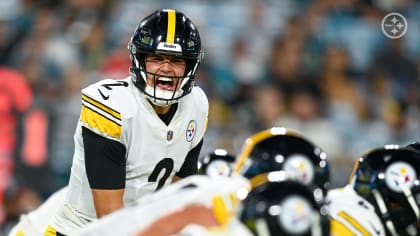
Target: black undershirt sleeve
{"points": [[190, 165], [104, 161]]}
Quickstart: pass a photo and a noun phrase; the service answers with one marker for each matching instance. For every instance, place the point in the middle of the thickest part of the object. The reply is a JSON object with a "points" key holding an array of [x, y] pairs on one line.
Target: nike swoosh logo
{"points": [[103, 95]]}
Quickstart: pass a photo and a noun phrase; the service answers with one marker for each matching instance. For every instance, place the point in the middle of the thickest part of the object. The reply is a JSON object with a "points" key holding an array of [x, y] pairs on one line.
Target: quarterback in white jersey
{"points": [[220, 195], [350, 214], [137, 134]]}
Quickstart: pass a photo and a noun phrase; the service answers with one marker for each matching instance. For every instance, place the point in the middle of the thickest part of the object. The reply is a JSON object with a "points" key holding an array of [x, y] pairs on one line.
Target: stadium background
{"points": [[322, 67]]}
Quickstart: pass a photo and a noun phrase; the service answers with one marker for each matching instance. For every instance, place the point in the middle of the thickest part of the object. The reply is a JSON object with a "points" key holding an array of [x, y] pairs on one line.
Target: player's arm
{"points": [[105, 169], [174, 222], [190, 165]]}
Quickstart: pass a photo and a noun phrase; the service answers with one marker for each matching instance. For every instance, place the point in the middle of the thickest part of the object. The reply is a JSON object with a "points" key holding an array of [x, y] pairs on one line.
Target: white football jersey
{"points": [[218, 194], [351, 214], [35, 222], [118, 110], [233, 228]]}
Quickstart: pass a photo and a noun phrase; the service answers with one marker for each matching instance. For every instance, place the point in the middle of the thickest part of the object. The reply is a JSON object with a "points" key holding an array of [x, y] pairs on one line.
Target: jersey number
{"points": [[117, 83], [109, 87], [166, 165]]}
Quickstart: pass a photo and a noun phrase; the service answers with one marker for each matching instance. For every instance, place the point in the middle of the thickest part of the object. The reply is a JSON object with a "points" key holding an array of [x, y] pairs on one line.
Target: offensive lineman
{"points": [[196, 205], [140, 133], [381, 196]]}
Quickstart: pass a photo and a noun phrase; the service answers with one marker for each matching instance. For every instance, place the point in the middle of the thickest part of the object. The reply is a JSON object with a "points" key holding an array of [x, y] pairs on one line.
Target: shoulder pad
{"points": [[105, 104], [200, 98]]}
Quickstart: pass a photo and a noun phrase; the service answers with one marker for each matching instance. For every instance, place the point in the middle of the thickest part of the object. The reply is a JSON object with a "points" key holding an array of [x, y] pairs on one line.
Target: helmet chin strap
{"points": [[261, 227], [410, 198], [382, 207], [316, 226], [160, 97]]}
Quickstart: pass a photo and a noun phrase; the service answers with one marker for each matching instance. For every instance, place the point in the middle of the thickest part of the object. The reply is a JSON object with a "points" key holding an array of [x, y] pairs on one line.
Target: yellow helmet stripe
{"points": [[257, 138], [258, 180], [170, 35], [248, 147]]}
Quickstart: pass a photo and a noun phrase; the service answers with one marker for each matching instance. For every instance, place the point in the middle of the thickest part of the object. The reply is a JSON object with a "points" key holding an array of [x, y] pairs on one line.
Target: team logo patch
{"points": [[191, 130], [219, 168], [299, 167], [296, 215], [399, 174]]}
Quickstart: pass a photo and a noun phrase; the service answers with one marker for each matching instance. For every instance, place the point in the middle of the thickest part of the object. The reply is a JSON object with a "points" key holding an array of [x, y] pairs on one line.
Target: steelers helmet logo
{"points": [[296, 215], [218, 168], [298, 167], [399, 174]]}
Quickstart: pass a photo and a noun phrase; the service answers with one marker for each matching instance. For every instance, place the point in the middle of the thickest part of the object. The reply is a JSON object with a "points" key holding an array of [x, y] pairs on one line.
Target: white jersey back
{"points": [[351, 214], [154, 151], [217, 194]]}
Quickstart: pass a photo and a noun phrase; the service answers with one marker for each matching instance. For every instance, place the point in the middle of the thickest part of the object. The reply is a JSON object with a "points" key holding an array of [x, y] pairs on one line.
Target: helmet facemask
{"points": [[388, 179], [168, 33], [160, 97]]}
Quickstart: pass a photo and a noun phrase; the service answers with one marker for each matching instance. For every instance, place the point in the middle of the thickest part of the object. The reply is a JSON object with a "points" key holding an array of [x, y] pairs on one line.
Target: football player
{"points": [[137, 134], [383, 196], [283, 207], [218, 163], [278, 149], [196, 205], [414, 146]]}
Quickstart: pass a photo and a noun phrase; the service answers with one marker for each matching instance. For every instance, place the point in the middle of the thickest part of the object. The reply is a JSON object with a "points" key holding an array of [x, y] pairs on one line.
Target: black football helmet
{"points": [[218, 163], [285, 208], [388, 178], [414, 146], [165, 32], [278, 149]]}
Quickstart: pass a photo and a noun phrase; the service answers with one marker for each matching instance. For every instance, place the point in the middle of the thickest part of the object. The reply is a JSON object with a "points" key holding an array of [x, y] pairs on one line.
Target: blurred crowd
{"points": [[322, 67]]}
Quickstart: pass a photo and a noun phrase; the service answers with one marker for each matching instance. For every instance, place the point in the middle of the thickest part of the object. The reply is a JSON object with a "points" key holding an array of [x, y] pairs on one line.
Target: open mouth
{"points": [[165, 83]]}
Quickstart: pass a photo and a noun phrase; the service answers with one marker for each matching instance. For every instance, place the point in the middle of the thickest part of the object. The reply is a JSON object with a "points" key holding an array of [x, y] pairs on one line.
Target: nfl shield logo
{"points": [[169, 135]]}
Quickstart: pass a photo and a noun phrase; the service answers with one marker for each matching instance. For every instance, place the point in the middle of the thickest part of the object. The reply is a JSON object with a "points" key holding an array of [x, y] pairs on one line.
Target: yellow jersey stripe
{"points": [[206, 124], [50, 231], [354, 223], [339, 229], [19, 233], [220, 210], [170, 35], [101, 123], [101, 106]]}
